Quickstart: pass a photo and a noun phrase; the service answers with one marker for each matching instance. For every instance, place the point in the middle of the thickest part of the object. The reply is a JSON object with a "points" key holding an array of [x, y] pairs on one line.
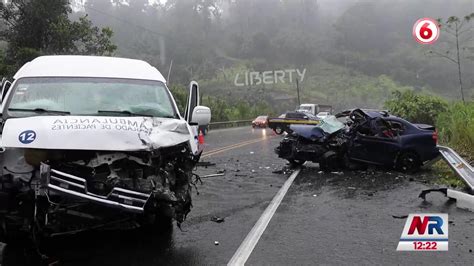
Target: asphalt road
{"points": [[336, 218]]}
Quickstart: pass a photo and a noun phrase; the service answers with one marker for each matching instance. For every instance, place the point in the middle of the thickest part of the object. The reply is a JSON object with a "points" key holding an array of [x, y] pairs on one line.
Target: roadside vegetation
{"points": [[29, 29], [212, 41], [453, 120]]}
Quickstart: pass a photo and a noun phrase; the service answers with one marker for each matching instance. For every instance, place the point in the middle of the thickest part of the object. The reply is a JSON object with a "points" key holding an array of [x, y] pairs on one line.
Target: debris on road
{"points": [[427, 191], [205, 164], [213, 175], [217, 219], [287, 169], [400, 216], [463, 200]]}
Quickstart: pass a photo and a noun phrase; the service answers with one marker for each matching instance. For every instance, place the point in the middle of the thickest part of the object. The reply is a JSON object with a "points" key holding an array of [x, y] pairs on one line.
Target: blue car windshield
{"points": [[330, 124]]}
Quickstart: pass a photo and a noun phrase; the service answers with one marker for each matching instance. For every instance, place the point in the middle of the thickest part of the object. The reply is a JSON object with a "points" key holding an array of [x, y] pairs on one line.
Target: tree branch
{"points": [[464, 31], [450, 33], [438, 54], [471, 37]]}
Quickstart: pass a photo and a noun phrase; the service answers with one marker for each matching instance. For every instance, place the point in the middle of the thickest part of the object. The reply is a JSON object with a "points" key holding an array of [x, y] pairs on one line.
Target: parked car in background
{"points": [[282, 123], [260, 121], [314, 109], [322, 115]]}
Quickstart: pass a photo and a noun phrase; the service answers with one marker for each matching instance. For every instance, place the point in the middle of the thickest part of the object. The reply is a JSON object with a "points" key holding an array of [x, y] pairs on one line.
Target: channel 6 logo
{"points": [[425, 232], [426, 31]]}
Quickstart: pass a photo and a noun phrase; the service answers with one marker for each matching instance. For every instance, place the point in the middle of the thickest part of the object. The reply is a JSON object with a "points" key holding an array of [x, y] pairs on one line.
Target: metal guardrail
{"points": [[237, 123], [459, 165]]}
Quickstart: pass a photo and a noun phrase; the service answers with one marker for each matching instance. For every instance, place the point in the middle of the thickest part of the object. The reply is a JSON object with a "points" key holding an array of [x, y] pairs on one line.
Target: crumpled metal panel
{"points": [[103, 133]]}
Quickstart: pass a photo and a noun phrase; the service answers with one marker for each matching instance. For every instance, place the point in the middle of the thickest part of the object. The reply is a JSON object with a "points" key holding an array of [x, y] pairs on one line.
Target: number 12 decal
{"points": [[27, 136]]}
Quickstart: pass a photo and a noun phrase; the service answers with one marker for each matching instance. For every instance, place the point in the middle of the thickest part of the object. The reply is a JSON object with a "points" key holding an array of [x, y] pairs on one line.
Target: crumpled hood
{"points": [[103, 133], [328, 125]]}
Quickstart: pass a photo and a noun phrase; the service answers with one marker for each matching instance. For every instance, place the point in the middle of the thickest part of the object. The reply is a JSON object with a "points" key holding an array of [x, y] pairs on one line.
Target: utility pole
{"points": [[169, 72], [298, 91], [459, 62]]}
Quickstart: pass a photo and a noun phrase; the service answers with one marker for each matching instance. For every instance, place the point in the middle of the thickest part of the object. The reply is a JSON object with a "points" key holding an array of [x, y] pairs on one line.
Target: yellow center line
{"points": [[227, 147], [233, 146]]}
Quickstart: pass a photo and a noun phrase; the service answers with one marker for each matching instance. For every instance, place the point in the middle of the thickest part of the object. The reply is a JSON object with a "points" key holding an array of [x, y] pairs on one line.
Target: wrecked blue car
{"points": [[320, 144], [364, 137]]}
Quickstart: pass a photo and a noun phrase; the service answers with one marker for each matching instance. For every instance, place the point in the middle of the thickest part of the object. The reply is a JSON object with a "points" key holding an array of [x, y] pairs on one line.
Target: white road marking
{"points": [[251, 240]]}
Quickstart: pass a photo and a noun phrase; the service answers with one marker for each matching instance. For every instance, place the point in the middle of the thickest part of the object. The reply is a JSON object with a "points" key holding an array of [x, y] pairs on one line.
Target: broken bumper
{"points": [[74, 186]]}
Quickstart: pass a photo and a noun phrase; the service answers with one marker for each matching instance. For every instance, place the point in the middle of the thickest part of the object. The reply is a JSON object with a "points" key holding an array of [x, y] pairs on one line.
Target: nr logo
{"points": [[432, 222], [425, 232]]}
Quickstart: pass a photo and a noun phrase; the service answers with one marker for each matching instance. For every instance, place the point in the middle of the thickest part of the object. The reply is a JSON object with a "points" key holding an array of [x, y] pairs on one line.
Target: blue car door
{"points": [[375, 149], [381, 146]]}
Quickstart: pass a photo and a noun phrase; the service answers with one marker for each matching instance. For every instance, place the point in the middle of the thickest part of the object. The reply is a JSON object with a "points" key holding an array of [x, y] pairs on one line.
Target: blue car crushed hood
{"points": [[328, 126]]}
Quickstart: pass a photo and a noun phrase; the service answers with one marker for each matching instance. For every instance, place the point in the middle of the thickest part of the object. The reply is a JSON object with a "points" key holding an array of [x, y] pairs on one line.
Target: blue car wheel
{"points": [[408, 162]]}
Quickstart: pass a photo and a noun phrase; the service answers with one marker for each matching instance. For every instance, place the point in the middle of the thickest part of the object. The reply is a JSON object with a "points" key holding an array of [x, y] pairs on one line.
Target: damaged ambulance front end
{"points": [[120, 158]]}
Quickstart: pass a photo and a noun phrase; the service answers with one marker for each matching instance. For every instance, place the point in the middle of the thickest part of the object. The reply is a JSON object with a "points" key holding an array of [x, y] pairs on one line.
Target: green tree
{"points": [[416, 108], [43, 27], [456, 127], [460, 32]]}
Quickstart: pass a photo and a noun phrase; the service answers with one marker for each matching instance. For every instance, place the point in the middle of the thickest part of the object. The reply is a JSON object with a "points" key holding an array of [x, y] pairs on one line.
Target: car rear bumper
{"points": [[70, 185]]}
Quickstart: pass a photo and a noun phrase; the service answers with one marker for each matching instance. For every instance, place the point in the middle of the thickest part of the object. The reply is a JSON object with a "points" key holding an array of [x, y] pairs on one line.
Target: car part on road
{"points": [[400, 216], [465, 171], [463, 200], [217, 219], [205, 164], [212, 175]]}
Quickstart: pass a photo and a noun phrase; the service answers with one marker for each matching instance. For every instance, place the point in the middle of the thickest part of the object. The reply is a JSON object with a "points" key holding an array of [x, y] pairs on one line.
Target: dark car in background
{"points": [[282, 123], [260, 121]]}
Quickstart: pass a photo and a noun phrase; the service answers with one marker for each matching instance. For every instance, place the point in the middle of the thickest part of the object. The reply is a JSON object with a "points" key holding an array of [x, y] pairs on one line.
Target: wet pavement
{"points": [[336, 218], [348, 218]]}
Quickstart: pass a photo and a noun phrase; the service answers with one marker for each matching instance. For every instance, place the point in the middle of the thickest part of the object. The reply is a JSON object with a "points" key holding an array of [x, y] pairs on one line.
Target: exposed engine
{"points": [[66, 191], [324, 144]]}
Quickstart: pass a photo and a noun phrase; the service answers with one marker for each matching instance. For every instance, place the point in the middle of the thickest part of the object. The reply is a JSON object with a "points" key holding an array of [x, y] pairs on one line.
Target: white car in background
{"points": [[322, 115]]}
